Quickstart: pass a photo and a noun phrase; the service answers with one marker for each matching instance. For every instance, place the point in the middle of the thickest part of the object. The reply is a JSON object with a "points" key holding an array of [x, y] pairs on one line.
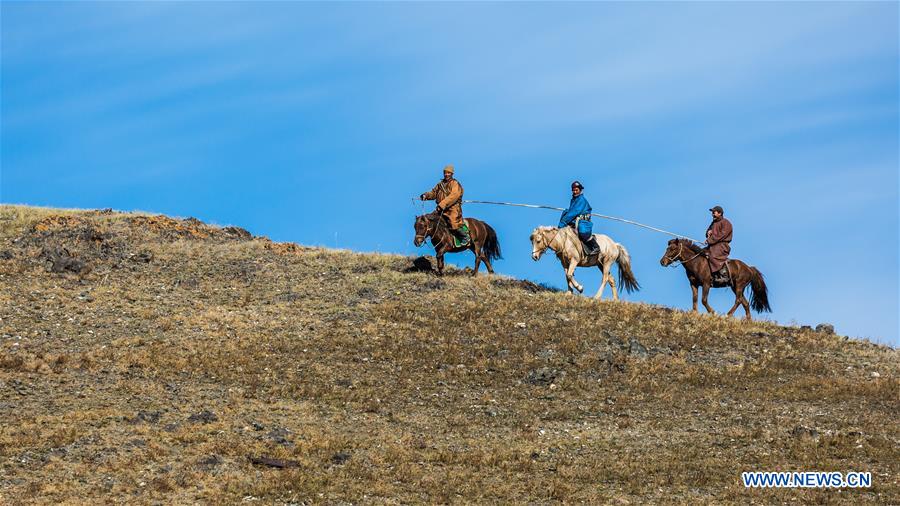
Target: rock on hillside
{"points": [[150, 359]]}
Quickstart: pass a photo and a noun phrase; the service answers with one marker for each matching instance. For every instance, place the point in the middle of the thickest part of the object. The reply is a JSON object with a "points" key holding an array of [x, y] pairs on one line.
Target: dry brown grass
{"points": [[388, 386]]}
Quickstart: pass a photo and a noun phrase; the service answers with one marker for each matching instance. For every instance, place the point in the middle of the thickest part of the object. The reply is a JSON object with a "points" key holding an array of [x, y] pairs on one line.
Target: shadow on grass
{"points": [[425, 264]]}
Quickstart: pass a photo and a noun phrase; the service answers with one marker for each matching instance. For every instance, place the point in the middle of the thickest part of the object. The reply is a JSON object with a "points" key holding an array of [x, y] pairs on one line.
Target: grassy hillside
{"points": [[147, 359]]}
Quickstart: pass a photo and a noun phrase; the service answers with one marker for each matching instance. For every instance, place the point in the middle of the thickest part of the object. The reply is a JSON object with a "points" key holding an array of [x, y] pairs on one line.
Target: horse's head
{"points": [[424, 228], [673, 252], [539, 242]]}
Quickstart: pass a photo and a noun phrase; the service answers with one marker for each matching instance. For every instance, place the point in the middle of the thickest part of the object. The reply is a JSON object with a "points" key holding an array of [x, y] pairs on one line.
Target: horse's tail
{"points": [[626, 278], [759, 293], [491, 247]]}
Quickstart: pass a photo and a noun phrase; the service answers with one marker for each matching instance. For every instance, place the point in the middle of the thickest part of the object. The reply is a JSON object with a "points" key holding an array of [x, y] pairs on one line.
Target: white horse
{"points": [[565, 242]]}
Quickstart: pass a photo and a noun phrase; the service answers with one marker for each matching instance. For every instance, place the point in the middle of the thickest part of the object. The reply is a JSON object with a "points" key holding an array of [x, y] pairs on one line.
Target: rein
{"points": [[681, 262], [430, 231], [555, 235]]}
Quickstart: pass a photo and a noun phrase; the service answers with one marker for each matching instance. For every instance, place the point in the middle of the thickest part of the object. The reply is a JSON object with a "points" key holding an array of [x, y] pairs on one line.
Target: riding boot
{"points": [[592, 247], [721, 276], [462, 235]]}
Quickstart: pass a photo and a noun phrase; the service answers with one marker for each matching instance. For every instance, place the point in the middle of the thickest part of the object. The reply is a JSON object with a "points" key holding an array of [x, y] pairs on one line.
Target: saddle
{"points": [[590, 248], [722, 279], [586, 250], [462, 236]]}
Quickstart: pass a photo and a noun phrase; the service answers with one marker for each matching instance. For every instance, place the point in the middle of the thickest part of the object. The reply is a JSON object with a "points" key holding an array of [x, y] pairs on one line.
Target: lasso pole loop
{"points": [[613, 218]]}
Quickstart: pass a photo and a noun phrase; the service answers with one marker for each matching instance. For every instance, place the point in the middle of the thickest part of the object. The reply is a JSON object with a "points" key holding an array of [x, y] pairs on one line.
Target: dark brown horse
{"points": [[695, 263], [483, 240]]}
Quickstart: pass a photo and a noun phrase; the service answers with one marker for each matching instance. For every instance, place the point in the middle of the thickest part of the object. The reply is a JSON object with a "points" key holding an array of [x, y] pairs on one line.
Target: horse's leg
{"points": [[737, 302], [607, 266], [440, 264], [573, 264], [602, 282], [694, 292], [477, 251], [705, 295], [570, 276], [739, 299], [745, 303], [604, 269], [738, 289]]}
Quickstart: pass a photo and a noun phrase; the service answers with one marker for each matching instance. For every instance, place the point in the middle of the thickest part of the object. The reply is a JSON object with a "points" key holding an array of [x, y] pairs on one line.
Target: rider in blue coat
{"points": [[580, 211]]}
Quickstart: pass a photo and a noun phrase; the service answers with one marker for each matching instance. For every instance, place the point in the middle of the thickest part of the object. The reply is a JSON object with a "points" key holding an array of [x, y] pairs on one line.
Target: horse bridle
{"points": [[434, 228], [675, 257], [558, 229]]}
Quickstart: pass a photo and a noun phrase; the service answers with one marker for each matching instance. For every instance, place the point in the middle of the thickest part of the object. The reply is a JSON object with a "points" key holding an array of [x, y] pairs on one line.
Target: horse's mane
{"points": [[690, 245], [542, 228], [431, 217]]}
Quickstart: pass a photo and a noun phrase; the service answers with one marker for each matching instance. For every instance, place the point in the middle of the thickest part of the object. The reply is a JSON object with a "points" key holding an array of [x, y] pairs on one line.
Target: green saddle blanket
{"points": [[458, 241]]}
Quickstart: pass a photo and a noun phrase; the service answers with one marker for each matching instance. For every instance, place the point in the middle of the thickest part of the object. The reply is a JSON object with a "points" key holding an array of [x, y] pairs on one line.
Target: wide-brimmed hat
{"points": [[448, 168]]}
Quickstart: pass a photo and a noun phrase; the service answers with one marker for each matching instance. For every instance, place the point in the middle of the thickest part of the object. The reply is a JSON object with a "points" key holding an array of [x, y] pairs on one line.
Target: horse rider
{"points": [[448, 193], [718, 239], [578, 216]]}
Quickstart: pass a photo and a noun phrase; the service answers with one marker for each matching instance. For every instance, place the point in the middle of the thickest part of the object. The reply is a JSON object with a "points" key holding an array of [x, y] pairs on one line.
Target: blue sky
{"points": [[317, 123]]}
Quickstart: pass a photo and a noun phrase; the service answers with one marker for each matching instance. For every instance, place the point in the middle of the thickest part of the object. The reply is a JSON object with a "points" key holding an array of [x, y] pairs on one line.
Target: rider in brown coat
{"points": [[718, 237], [448, 193]]}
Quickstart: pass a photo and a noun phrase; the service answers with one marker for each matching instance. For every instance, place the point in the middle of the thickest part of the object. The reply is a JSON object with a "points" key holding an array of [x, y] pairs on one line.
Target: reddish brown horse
{"points": [[695, 263], [483, 240]]}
